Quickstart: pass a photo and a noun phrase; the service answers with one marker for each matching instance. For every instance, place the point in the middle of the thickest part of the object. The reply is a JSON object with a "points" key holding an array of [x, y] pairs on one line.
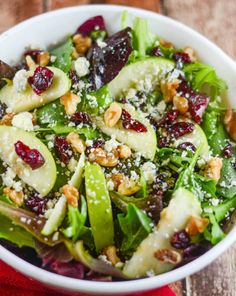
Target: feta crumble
{"points": [[20, 80], [23, 120], [149, 170], [81, 66]]}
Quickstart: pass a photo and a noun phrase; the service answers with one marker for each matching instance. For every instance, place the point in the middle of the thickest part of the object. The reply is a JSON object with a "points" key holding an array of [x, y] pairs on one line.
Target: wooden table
{"points": [[216, 20]]}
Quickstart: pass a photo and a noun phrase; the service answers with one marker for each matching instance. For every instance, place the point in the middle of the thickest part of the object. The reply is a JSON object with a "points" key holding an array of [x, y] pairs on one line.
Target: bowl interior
{"points": [[50, 28]]}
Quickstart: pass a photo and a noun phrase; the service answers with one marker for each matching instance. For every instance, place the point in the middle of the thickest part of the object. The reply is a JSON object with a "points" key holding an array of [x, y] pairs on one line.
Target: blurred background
{"points": [[216, 19]]}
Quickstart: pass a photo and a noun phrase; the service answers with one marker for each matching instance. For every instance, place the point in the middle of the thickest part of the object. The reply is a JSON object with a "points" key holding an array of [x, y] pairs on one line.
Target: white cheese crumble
{"points": [[111, 144], [20, 80], [101, 43], [23, 120], [81, 66], [149, 171]]}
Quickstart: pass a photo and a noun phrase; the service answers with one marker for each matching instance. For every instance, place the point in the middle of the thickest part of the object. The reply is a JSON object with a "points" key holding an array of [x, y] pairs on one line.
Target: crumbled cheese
{"points": [[149, 170], [20, 80], [101, 43], [53, 58], [23, 120], [208, 210], [110, 185], [131, 93], [72, 164], [111, 144], [215, 201], [81, 66], [92, 101], [8, 177]]}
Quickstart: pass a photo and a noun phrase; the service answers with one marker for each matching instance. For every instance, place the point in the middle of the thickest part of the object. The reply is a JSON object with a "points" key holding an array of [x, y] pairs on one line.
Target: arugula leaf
{"points": [[213, 233], [202, 75], [76, 221], [51, 114], [15, 234], [29, 221], [220, 211], [143, 39], [63, 56], [135, 226], [227, 183]]}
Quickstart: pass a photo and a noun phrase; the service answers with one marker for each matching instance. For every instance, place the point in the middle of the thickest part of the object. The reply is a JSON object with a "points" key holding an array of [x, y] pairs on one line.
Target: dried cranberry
{"points": [[30, 156], [168, 118], [3, 108], [94, 23], [36, 204], [107, 62], [41, 80], [80, 117], [180, 129], [33, 53], [228, 151], [180, 58], [180, 240], [156, 51], [187, 146], [129, 123], [198, 102], [74, 77], [62, 149]]}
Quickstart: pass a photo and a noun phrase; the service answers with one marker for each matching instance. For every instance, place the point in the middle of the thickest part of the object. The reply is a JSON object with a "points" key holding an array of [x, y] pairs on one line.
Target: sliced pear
{"points": [[55, 219], [41, 179], [197, 138], [77, 177], [132, 75], [145, 143], [28, 99], [175, 217]]}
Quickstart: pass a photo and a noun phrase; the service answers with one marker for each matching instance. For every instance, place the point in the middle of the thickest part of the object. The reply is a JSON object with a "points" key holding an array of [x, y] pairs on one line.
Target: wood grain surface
{"points": [[216, 19]]}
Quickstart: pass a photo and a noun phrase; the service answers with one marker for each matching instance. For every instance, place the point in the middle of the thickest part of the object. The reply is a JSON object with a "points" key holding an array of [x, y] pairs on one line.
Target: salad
{"points": [[117, 154]]}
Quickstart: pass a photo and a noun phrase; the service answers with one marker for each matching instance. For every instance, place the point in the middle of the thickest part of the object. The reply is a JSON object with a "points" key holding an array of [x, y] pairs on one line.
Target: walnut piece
{"points": [[100, 156], [128, 187], [76, 143], [70, 102], [124, 151], [82, 44], [230, 123], [110, 253], [168, 89], [117, 179], [181, 104], [191, 53], [168, 256], [213, 168], [112, 115], [43, 58], [71, 194], [16, 196], [196, 225], [7, 119]]}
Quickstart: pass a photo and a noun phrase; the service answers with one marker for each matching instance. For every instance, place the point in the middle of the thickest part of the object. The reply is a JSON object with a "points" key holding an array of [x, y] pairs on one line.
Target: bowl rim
{"points": [[135, 285]]}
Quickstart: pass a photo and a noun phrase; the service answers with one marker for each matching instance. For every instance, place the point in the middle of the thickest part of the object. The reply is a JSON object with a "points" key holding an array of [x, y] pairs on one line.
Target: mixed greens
{"points": [[117, 155]]}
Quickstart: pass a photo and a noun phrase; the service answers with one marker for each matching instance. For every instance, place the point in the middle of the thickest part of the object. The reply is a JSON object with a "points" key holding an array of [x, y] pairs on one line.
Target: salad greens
{"points": [[116, 156]]}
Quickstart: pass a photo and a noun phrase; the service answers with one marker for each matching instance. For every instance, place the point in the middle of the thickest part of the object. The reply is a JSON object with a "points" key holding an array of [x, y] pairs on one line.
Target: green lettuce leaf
{"points": [[63, 56], [135, 226]]}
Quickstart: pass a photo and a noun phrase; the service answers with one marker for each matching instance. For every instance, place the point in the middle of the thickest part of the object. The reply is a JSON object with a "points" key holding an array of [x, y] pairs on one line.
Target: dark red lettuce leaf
{"points": [[94, 23], [72, 269], [107, 62]]}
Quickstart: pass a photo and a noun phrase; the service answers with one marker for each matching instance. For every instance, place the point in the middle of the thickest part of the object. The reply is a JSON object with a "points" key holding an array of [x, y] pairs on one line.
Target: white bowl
{"points": [[50, 28]]}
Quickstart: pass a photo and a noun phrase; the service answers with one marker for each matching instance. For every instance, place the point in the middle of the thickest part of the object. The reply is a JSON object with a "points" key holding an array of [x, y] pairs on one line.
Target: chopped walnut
{"points": [[181, 104], [43, 58], [196, 225], [82, 44], [128, 187], [168, 256], [213, 168], [7, 119], [166, 43], [110, 253], [15, 196], [76, 143], [192, 54], [168, 89], [117, 179], [112, 115], [30, 63], [74, 54], [71, 194], [100, 156], [230, 123], [70, 102], [124, 151]]}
